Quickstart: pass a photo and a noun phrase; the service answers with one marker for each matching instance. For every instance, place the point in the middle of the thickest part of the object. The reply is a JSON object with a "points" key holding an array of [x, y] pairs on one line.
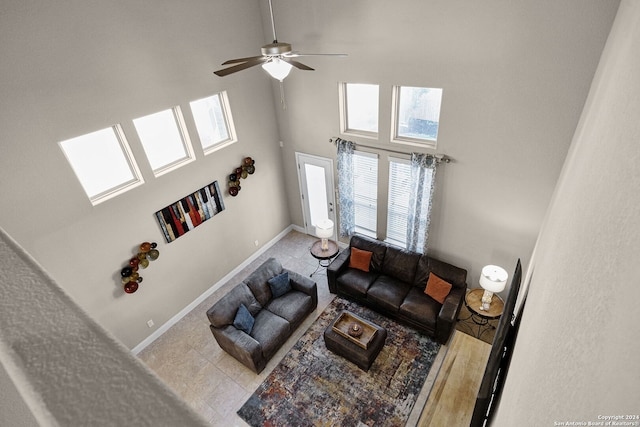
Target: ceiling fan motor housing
{"points": [[275, 48]]}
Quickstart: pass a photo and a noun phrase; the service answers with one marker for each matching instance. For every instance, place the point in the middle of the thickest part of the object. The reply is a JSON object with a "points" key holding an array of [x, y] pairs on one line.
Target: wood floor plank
{"points": [[454, 392]]}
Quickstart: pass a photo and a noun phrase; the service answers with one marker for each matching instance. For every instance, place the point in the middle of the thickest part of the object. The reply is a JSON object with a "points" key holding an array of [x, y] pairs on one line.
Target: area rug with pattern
{"points": [[312, 386]]}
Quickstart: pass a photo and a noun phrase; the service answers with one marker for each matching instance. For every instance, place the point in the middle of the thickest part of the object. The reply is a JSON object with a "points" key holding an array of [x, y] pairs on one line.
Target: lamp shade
{"points": [[277, 68], [493, 278], [324, 229]]}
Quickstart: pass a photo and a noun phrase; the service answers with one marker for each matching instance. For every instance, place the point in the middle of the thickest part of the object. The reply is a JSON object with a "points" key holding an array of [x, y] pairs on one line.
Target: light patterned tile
{"points": [[228, 399]]}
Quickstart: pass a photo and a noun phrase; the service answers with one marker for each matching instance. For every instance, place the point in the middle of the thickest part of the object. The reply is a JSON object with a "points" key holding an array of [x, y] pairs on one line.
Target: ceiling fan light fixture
{"points": [[277, 68]]}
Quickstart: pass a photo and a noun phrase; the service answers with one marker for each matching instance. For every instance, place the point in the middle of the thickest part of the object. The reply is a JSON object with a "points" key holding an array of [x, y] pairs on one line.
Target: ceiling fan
{"points": [[276, 58]]}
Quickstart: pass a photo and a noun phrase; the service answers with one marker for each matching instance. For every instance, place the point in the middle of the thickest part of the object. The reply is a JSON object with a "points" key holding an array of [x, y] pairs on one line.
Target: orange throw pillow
{"points": [[360, 259], [437, 288]]}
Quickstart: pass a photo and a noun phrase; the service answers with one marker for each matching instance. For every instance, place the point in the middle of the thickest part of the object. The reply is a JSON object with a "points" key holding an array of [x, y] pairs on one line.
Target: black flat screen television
{"points": [[499, 357]]}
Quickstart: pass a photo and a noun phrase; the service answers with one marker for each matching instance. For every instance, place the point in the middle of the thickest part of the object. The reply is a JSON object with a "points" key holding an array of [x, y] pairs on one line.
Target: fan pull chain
{"points": [[282, 101]]}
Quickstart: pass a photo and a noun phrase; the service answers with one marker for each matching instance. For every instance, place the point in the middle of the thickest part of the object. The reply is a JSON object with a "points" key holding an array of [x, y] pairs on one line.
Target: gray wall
{"points": [[515, 77], [580, 325], [14, 408], [73, 67]]}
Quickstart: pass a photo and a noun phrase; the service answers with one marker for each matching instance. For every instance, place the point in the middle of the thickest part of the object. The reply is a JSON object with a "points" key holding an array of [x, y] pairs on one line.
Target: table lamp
{"points": [[492, 279], [324, 230]]}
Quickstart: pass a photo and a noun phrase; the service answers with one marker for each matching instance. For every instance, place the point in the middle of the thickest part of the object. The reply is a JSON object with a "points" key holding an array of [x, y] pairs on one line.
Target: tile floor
{"points": [[188, 359]]}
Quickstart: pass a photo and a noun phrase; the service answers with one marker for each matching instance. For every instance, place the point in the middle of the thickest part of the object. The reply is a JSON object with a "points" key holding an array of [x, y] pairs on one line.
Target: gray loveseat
{"points": [[274, 319]]}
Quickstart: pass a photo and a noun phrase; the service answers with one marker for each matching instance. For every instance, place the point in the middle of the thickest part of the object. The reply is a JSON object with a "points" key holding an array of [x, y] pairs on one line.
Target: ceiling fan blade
{"points": [[296, 54], [239, 67], [235, 61], [297, 64]]}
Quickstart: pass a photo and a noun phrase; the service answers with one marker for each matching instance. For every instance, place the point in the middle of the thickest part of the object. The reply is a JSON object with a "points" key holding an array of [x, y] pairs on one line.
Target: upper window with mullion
{"points": [[165, 140], [416, 115], [359, 109], [214, 122], [103, 163]]}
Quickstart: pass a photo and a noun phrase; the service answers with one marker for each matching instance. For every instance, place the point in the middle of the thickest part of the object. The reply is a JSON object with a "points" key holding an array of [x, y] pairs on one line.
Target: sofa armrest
{"points": [[449, 314], [337, 266], [240, 345], [304, 284]]}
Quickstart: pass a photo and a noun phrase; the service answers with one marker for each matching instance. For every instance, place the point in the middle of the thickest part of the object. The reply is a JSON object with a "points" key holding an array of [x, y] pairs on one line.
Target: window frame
{"points": [[343, 109], [395, 121], [227, 119], [136, 181], [184, 137]]}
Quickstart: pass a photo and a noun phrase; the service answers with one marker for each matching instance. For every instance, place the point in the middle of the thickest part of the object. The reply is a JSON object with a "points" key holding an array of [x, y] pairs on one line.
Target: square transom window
{"points": [[103, 163], [416, 115], [359, 109], [214, 123], [165, 140]]}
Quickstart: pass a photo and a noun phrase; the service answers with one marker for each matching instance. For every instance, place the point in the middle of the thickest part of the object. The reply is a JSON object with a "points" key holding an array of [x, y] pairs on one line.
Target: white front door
{"points": [[315, 176]]}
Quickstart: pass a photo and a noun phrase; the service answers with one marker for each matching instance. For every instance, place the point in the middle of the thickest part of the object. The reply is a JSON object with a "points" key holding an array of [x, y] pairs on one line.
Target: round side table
{"points": [[324, 257], [473, 302]]}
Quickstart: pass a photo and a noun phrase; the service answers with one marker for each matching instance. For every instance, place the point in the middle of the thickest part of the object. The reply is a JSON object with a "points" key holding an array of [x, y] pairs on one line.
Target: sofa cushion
{"points": [[243, 320], [437, 288], [224, 311], [271, 331], [388, 292], [400, 263], [360, 259], [368, 244], [356, 282], [279, 285], [420, 307], [455, 275], [258, 280], [293, 306]]}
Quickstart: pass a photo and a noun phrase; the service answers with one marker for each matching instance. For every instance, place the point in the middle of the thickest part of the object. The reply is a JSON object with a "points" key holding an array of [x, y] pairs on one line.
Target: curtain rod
{"points": [[440, 158]]}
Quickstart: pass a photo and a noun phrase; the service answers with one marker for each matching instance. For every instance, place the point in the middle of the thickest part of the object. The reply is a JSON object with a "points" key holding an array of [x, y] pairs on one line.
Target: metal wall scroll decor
{"points": [[130, 276], [189, 212], [243, 171]]}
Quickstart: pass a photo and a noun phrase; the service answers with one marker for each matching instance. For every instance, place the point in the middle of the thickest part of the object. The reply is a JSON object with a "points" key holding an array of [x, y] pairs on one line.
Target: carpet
{"points": [[312, 386]]}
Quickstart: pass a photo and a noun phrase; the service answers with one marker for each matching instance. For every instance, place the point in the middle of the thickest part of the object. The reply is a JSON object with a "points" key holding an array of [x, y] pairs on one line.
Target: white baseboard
{"points": [[298, 228], [168, 324]]}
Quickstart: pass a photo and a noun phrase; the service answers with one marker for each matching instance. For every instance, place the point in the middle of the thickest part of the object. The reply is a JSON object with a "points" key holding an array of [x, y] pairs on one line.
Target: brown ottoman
{"points": [[362, 354]]}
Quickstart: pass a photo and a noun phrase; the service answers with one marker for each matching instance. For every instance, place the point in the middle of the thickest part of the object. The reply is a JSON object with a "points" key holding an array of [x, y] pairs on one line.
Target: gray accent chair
{"points": [[275, 318]]}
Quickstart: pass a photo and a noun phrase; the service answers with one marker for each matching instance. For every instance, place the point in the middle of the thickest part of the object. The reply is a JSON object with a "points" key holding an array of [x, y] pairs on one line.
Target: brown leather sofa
{"points": [[395, 284]]}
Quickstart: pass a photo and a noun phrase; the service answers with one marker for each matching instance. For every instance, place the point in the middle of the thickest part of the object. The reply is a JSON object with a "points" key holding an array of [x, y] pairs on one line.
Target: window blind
{"points": [[399, 190], [365, 174]]}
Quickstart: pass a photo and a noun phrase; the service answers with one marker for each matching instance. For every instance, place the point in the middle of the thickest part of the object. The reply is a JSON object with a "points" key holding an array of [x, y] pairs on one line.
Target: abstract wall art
{"points": [[191, 211]]}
